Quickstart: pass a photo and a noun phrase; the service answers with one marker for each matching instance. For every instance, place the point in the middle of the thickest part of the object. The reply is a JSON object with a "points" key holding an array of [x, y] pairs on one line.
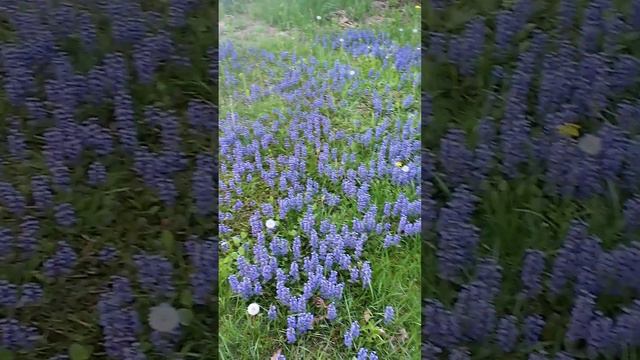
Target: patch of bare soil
{"points": [[374, 20], [380, 5], [242, 28], [340, 17]]}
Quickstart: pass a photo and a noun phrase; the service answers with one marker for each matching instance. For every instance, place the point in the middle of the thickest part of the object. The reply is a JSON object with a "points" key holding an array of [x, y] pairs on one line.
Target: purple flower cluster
{"points": [[457, 236], [62, 262], [201, 115], [204, 258], [12, 199], [65, 215], [16, 336], [203, 183], [41, 192], [154, 274], [364, 354], [120, 322], [97, 151], [97, 174], [539, 127], [280, 172], [466, 48], [149, 54], [351, 334], [532, 269], [12, 296]]}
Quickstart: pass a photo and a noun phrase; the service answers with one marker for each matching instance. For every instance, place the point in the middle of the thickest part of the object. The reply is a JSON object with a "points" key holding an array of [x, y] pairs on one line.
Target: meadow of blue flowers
{"points": [[531, 177], [107, 198], [319, 198]]}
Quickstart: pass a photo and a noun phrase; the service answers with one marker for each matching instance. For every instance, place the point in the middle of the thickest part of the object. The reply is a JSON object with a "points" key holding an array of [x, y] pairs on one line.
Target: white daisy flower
{"points": [[352, 72], [318, 17], [253, 309], [401, 29], [341, 40], [405, 168], [270, 224], [590, 144], [415, 31], [164, 318]]}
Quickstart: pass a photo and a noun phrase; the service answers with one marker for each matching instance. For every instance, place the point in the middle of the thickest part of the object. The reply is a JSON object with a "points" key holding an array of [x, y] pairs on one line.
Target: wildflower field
{"points": [[107, 197], [319, 183], [531, 177]]}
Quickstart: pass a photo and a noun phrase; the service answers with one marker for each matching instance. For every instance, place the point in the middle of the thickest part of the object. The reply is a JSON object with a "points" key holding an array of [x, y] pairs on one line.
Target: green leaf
{"points": [[186, 316], [459, 18], [186, 298], [167, 240], [79, 352], [186, 348], [161, 86], [146, 346], [503, 186], [6, 354]]}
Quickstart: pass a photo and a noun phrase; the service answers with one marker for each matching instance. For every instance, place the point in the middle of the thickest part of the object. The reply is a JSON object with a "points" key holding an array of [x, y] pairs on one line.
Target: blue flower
{"points": [[351, 334], [62, 262], [388, 314]]}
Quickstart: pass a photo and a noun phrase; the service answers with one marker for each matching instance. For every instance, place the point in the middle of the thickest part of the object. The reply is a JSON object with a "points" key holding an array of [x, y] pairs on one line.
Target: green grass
{"points": [[242, 336], [396, 271], [300, 16], [300, 13]]}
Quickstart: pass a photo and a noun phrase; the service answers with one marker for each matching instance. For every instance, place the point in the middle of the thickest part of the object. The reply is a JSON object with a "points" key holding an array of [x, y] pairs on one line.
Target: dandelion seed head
{"points": [[164, 318], [253, 309], [590, 144]]}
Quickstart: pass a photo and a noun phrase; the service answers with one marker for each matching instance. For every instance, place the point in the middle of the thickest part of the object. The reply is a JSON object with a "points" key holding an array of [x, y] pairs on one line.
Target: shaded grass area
{"points": [[122, 212]]}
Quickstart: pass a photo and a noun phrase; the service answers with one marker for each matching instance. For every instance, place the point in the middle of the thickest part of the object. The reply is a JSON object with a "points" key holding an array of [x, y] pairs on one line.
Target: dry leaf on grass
{"points": [[402, 336], [367, 315], [319, 302], [373, 20], [342, 19], [276, 354], [318, 319], [379, 5]]}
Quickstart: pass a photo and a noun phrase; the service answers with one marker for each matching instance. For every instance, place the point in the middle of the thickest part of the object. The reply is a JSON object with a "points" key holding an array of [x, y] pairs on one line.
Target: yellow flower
{"points": [[418, 7], [398, 164], [570, 130]]}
